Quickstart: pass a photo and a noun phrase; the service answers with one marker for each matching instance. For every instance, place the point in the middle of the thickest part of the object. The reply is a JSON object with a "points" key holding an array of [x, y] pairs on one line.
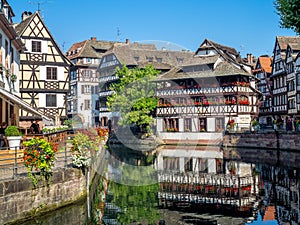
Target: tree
{"points": [[289, 12], [134, 96]]}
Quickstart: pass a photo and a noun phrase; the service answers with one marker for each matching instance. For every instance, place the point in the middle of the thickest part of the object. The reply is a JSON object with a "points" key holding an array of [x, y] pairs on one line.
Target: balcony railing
{"points": [[105, 93]]}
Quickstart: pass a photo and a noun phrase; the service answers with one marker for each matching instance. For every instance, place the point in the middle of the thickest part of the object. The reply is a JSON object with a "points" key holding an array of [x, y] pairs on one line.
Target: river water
{"points": [[189, 185]]}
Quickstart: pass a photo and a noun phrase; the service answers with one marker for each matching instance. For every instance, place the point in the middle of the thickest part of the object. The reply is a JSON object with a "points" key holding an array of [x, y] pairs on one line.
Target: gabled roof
{"points": [[228, 53], [283, 41], [89, 48], [266, 63], [24, 24], [222, 69], [20, 27]]}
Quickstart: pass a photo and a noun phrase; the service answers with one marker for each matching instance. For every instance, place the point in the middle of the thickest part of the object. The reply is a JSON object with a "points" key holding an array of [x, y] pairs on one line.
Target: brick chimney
{"points": [[25, 15], [93, 39], [249, 58]]}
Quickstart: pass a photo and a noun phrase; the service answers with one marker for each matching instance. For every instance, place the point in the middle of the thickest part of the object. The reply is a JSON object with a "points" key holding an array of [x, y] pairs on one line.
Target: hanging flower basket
{"points": [[13, 77]]}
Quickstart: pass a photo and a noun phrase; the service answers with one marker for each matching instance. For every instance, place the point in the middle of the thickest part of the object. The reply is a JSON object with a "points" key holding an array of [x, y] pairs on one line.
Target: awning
{"points": [[10, 97]]}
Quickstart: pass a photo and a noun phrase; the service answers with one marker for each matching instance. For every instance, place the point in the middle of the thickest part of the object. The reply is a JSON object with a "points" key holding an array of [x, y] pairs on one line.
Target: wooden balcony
{"points": [[222, 109], [180, 90]]}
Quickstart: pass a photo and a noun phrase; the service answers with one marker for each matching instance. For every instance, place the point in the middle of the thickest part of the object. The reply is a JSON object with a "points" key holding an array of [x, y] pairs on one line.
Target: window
{"points": [[51, 100], [170, 163], [85, 89], [159, 60], [171, 125], [202, 124], [149, 58], [87, 104], [51, 73], [187, 124], [36, 46], [180, 60], [220, 124]]}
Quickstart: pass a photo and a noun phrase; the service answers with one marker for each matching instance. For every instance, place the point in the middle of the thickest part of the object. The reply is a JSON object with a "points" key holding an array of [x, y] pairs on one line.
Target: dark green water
{"points": [[132, 195]]}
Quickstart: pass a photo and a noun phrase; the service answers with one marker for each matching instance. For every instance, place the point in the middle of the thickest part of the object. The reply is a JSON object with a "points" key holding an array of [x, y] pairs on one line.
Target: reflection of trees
{"points": [[138, 202]]}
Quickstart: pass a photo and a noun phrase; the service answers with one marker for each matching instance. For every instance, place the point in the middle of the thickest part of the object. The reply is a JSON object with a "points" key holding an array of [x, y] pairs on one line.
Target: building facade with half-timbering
{"points": [[11, 46], [262, 72], [84, 80], [44, 70], [213, 92], [132, 55]]}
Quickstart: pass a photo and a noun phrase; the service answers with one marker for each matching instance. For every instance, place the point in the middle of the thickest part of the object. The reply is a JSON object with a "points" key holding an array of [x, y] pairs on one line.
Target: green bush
{"points": [[12, 131]]}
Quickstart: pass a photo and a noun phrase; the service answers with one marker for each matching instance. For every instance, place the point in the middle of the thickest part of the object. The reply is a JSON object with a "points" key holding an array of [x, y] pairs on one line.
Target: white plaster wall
{"points": [[191, 136], [211, 124]]}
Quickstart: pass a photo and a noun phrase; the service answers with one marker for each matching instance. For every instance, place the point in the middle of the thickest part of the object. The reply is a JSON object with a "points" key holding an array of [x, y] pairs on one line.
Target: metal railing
{"points": [[12, 163]]}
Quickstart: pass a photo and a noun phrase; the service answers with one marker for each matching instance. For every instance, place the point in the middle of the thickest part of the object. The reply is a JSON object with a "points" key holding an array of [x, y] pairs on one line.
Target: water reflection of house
{"points": [[190, 176], [281, 186]]}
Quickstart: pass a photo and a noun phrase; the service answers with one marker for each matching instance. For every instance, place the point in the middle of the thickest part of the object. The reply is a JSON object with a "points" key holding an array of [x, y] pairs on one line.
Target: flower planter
{"points": [[14, 141]]}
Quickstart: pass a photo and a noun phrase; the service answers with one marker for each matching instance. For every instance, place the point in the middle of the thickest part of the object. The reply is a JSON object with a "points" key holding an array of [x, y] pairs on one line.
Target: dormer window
{"points": [[36, 46], [136, 58], [149, 59], [159, 60], [180, 60]]}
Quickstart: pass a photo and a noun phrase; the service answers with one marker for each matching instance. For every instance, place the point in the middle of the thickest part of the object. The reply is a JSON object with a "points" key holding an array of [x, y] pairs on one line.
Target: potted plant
{"points": [[13, 136]]}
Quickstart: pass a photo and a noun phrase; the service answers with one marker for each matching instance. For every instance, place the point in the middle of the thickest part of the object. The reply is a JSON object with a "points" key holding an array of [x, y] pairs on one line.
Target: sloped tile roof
{"points": [[89, 48], [20, 27], [136, 53], [222, 69], [228, 53], [283, 41], [266, 63]]}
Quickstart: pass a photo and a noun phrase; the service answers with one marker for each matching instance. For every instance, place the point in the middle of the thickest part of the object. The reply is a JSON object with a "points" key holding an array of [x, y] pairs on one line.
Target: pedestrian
{"points": [[2, 134]]}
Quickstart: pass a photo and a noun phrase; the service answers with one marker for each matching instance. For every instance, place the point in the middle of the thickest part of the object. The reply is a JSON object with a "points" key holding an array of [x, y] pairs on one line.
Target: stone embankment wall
{"points": [[282, 141], [269, 148], [19, 200]]}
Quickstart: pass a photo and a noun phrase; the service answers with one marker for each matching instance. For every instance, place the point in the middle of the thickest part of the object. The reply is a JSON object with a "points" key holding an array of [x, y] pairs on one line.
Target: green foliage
{"points": [[12, 131], [39, 155], [134, 96], [289, 12], [68, 123], [138, 202]]}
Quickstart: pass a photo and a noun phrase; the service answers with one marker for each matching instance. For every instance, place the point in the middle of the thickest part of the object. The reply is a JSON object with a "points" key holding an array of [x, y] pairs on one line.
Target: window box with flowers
{"points": [[39, 156], [230, 125]]}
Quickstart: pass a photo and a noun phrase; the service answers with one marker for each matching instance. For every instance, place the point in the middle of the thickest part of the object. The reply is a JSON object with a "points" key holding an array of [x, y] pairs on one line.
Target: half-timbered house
{"points": [[262, 72], [283, 77], [44, 70], [84, 80], [213, 92], [132, 55], [291, 53], [10, 48]]}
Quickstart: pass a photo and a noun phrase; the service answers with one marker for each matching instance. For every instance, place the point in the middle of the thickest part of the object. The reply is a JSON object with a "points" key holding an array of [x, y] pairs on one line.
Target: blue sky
{"points": [[248, 26]]}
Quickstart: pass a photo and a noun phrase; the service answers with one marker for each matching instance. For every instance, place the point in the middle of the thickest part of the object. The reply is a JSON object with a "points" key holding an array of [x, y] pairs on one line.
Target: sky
{"points": [[249, 26]]}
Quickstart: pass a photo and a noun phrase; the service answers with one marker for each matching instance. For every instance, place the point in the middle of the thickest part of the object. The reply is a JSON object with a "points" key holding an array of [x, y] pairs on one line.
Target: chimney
{"points": [[249, 58], [25, 15], [93, 39], [127, 41]]}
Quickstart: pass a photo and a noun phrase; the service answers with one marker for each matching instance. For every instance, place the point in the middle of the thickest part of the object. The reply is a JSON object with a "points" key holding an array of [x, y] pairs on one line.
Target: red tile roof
{"points": [[266, 63]]}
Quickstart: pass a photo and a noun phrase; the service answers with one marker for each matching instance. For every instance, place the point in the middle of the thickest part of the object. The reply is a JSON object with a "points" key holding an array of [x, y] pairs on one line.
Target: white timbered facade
{"points": [[83, 98], [44, 70], [198, 100], [262, 72]]}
